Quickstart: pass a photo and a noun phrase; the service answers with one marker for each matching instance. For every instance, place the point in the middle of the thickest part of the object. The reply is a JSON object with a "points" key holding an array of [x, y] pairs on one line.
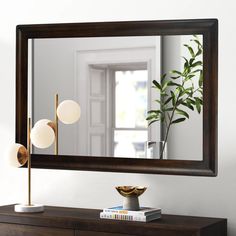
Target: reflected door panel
{"points": [[97, 112]]}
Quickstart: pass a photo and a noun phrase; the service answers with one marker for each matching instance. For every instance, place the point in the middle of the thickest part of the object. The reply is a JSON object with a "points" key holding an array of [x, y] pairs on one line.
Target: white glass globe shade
{"points": [[17, 155], [68, 111], [42, 136], [42, 122], [45, 122]]}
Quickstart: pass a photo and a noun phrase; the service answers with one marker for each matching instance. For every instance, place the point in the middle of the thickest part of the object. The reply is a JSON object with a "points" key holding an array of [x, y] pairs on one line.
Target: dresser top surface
{"points": [[80, 219]]}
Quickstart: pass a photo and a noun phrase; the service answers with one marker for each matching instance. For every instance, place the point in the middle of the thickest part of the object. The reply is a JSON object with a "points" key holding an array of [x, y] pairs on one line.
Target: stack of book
{"points": [[145, 214]]}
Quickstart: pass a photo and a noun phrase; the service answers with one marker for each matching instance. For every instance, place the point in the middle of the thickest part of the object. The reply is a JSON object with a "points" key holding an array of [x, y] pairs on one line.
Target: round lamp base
{"points": [[29, 209]]}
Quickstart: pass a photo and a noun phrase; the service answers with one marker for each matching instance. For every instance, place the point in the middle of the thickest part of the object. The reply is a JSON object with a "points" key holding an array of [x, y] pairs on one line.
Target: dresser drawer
{"points": [[25, 230], [91, 233]]}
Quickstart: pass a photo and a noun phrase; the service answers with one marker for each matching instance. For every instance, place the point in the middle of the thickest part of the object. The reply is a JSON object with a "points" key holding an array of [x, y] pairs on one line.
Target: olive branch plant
{"points": [[178, 92]]}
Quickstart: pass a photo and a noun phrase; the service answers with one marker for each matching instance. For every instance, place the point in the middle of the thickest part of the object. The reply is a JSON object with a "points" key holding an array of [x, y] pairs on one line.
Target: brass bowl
{"points": [[131, 191]]}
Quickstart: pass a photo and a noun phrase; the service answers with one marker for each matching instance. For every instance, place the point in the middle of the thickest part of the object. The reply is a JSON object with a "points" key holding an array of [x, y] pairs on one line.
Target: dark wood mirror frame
{"points": [[207, 27]]}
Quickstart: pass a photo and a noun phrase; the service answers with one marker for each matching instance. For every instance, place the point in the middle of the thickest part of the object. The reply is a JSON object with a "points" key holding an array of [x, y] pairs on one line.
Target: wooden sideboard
{"points": [[60, 221]]}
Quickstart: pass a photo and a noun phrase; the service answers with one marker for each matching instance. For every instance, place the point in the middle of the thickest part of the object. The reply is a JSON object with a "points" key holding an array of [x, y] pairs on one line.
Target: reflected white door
{"points": [[97, 99]]}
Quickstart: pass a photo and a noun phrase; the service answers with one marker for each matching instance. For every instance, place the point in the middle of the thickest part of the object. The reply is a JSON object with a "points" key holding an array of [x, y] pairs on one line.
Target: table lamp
{"points": [[42, 135], [19, 155]]}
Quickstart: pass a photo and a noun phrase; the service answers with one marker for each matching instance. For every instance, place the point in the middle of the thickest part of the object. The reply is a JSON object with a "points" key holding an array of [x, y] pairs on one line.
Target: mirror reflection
{"points": [[140, 97]]}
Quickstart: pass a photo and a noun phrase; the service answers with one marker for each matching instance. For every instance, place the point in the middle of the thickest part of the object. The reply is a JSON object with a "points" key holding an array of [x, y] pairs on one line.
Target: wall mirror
{"points": [[147, 92]]}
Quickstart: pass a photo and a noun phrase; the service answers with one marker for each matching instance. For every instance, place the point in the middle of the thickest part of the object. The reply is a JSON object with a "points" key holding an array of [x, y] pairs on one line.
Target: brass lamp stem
{"points": [[56, 125], [29, 162]]}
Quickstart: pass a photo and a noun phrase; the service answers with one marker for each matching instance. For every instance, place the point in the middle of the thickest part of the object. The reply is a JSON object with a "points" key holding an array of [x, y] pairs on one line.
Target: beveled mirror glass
{"points": [[146, 94], [111, 78]]}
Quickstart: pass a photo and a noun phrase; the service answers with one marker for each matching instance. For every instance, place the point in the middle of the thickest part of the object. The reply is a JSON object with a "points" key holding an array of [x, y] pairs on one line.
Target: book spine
{"points": [[114, 216], [131, 213]]}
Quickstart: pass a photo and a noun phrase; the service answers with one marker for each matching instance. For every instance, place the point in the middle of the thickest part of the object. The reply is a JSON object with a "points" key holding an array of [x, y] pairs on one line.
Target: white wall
{"points": [[175, 194]]}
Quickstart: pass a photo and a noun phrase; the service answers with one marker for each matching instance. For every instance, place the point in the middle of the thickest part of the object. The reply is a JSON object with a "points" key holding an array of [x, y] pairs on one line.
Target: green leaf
{"points": [[183, 113], [174, 84], [189, 77], [178, 120], [179, 101], [169, 109], [198, 63], [175, 77], [177, 91], [190, 101], [190, 50], [165, 84], [186, 70], [199, 52], [200, 82], [198, 105], [187, 105], [153, 121], [189, 91], [200, 91], [189, 88], [196, 41], [163, 77], [158, 101], [151, 117], [154, 111], [191, 61], [185, 59], [176, 72], [186, 62], [195, 71], [173, 98], [157, 85], [199, 100], [163, 93], [167, 100]]}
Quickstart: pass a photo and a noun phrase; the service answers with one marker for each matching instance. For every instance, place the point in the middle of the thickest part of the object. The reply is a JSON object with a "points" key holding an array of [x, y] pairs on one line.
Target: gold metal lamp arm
{"points": [[56, 125], [29, 208], [29, 161]]}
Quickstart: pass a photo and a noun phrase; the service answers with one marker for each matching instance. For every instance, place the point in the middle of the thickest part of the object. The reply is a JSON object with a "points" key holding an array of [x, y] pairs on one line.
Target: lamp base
{"points": [[29, 209]]}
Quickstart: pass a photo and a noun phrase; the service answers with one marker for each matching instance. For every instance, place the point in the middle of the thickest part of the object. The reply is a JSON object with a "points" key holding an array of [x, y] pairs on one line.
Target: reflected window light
{"points": [[130, 133]]}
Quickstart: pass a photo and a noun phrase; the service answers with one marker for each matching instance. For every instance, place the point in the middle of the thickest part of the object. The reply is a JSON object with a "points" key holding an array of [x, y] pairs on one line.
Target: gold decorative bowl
{"points": [[131, 194], [131, 191]]}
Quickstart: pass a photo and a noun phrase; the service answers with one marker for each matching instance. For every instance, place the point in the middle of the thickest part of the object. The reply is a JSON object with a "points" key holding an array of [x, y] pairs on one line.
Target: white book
{"points": [[114, 216], [144, 211]]}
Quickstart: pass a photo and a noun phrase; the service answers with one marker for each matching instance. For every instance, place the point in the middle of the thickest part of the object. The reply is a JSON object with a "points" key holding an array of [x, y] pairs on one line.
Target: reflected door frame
{"points": [[101, 77]]}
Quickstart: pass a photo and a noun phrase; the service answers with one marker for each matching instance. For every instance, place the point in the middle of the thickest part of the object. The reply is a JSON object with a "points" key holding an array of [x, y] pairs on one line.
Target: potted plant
{"points": [[178, 92]]}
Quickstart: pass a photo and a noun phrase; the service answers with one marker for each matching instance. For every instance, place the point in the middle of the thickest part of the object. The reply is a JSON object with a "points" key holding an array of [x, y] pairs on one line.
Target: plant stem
{"points": [[171, 118], [170, 121], [167, 132], [192, 94]]}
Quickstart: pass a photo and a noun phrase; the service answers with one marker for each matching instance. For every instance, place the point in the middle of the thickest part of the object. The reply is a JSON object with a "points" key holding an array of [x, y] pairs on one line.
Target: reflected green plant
{"points": [[178, 92]]}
